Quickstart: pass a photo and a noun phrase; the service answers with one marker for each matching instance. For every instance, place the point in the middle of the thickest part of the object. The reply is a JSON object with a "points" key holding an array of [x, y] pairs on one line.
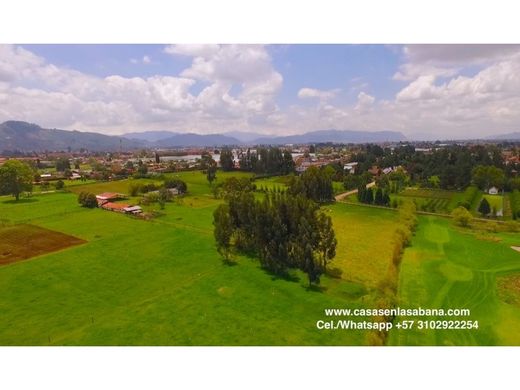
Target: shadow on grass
{"points": [[20, 201], [287, 276], [334, 272], [316, 288], [229, 262]]}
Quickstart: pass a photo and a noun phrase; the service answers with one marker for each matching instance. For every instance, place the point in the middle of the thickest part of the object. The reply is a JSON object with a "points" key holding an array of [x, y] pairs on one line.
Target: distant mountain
{"points": [[191, 139], [342, 136], [509, 136], [150, 136], [244, 136], [23, 136]]}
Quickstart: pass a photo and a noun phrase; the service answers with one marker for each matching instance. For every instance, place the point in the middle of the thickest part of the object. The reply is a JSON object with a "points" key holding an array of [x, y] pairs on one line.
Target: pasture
{"points": [[448, 267], [162, 282]]}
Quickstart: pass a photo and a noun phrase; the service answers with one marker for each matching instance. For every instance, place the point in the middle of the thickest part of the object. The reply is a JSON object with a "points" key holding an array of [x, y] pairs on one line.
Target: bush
{"points": [[461, 216], [87, 199], [60, 185]]}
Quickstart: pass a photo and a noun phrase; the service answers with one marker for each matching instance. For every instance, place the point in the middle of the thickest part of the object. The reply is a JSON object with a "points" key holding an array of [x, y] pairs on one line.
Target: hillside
{"points": [[343, 136], [23, 136]]}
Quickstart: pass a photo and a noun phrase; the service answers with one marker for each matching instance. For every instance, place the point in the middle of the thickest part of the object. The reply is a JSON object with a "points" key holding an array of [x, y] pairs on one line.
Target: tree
{"points": [[211, 173], [461, 216], [157, 158], [485, 177], [87, 199], [62, 164], [226, 160], [223, 230], [484, 208], [378, 199], [59, 185], [434, 181], [15, 177]]}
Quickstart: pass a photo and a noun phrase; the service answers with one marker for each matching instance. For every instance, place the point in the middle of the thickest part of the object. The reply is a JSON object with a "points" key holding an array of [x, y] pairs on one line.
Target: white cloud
{"points": [[305, 93], [146, 60], [364, 100]]}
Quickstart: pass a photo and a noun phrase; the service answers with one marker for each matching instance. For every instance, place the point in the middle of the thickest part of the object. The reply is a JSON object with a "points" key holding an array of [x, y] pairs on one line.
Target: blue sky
{"points": [[437, 90]]}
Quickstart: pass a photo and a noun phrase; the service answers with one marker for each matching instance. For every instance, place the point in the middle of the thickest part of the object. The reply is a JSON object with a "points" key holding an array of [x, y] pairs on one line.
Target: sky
{"points": [[423, 91]]}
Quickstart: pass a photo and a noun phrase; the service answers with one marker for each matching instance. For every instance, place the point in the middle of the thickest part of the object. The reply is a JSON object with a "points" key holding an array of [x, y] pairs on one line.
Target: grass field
{"points": [[159, 282], [162, 282], [448, 267]]}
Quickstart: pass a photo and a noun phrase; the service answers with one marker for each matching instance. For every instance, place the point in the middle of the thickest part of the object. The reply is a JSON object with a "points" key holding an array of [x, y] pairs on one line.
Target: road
{"points": [[343, 195]]}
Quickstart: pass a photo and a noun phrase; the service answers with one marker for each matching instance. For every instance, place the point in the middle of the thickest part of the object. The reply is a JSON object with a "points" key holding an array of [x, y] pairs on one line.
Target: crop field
{"points": [[432, 200], [20, 242], [448, 267]]}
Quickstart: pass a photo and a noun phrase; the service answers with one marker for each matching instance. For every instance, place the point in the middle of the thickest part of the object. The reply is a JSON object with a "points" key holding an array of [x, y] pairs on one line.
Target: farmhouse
{"points": [[133, 210], [350, 167], [109, 196], [493, 191], [119, 207]]}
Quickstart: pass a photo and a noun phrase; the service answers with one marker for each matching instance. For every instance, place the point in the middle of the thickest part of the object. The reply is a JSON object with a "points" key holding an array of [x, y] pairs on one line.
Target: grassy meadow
{"points": [[449, 267], [162, 282]]}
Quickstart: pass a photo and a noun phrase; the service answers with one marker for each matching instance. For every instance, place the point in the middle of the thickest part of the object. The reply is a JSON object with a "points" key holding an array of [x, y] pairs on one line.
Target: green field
{"points": [[431, 200], [448, 267], [162, 282]]}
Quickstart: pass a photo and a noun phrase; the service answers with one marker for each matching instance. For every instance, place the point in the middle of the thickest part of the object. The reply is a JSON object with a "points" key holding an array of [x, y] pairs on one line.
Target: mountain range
{"points": [[24, 136], [515, 136]]}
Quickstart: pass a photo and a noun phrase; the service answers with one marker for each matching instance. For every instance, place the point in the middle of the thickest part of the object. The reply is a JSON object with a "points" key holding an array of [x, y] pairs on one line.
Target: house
{"points": [[133, 210], [350, 167], [109, 196], [388, 170], [493, 191], [119, 207]]}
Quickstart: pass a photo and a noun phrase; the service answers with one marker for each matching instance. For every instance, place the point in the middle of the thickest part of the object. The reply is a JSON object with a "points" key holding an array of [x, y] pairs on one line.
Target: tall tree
{"points": [[484, 208], [15, 177], [226, 160]]}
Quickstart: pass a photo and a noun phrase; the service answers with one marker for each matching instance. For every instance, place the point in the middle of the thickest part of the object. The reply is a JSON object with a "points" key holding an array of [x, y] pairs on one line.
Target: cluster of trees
{"points": [[449, 167], [376, 196], [134, 189], [315, 183], [87, 199], [284, 231], [233, 186], [227, 162], [269, 161], [15, 178], [487, 176]]}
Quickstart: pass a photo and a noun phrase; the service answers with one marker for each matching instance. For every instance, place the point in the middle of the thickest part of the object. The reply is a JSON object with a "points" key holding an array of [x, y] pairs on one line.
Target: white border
{"points": [[259, 21], [258, 368]]}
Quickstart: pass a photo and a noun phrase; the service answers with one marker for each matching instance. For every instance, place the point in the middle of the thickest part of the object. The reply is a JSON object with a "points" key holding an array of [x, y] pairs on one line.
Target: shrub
{"points": [[461, 216], [87, 199]]}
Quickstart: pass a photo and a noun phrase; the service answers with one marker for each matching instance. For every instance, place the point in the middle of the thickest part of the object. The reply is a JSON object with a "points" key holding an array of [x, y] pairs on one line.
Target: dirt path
{"points": [[343, 195]]}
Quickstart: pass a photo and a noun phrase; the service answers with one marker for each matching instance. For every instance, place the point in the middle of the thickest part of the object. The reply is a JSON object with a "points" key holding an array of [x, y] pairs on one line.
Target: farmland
{"points": [[162, 282], [448, 267], [431, 200]]}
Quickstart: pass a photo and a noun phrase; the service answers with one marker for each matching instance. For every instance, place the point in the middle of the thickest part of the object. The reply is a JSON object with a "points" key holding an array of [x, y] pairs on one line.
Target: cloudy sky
{"points": [[426, 91]]}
